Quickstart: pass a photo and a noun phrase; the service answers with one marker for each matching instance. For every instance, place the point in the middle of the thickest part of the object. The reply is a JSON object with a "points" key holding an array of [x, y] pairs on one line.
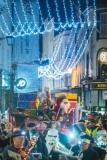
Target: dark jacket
{"points": [[11, 153], [101, 152], [90, 154]]}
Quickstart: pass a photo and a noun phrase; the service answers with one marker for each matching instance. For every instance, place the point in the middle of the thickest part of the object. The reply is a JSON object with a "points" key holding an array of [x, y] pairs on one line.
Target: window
{"points": [[103, 25]]}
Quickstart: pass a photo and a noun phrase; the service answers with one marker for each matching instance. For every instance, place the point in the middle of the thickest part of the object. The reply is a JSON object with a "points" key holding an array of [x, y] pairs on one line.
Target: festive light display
{"points": [[25, 26], [77, 18], [75, 50]]}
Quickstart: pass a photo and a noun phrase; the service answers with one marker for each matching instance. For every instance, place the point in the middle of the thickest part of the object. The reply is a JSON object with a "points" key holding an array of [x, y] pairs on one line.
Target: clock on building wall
{"points": [[103, 56]]}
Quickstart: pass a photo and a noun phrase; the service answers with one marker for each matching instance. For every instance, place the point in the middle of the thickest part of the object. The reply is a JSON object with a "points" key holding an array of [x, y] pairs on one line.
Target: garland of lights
{"points": [[72, 13], [74, 63], [64, 55], [77, 60], [73, 59], [94, 6], [22, 28], [48, 69], [31, 27], [53, 62], [67, 48], [55, 74], [69, 62], [87, 12], [65, 58], [62, 61], [79, 11], [74, 49], [5, 25], [65, 12]]}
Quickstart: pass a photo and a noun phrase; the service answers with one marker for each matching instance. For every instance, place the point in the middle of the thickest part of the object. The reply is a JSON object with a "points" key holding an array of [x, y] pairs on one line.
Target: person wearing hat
{"points": [[17, 151], [87, 152], [13, 152]]}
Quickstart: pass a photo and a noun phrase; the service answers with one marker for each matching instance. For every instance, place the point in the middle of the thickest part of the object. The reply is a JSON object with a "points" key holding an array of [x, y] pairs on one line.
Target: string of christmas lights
{"points": [[29, 25], [50, 17], [61, 73], [8, 32], [63, 61], [79, 11], [24, 27], [75, 62], [87, 12], [72, 49], [72, 13], [65, 13], [58, 16], [67, 50], [24, 12], [9, 13], [75, 57]]}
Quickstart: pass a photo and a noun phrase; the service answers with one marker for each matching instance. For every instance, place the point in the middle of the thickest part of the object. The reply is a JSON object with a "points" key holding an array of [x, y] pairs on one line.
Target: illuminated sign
{"points": [[99, 86], [71, 96], [21, 83]]}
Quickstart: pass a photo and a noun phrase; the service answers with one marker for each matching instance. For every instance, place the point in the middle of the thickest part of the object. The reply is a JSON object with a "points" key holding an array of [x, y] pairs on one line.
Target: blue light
{"points": [[23, 133], [72, 136], [30, 26]]}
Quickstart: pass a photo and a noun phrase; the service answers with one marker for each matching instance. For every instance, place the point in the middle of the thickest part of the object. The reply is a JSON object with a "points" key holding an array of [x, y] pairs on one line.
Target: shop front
{"points": [[95, 96]]}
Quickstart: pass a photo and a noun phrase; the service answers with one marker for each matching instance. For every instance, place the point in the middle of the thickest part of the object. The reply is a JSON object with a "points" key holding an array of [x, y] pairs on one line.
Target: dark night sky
{"points": [[61, 8], [101, 3]]}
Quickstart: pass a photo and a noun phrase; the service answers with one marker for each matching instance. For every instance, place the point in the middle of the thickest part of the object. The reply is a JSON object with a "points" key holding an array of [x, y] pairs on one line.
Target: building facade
{"points": [[18, 52], [93, 81], [89, 77], [50, 42]]}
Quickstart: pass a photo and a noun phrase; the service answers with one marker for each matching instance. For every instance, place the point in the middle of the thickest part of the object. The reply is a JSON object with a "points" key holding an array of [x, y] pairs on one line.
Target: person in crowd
{"points": [[92, 129], [101, 152], [87, 151], [15, 151], [40, 146]]}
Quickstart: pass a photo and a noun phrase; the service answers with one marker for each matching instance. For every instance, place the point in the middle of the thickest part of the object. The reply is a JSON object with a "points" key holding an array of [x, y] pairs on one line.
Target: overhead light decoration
{"points": [[20, 83], [73, 51], [29, 25], [79, 23]]}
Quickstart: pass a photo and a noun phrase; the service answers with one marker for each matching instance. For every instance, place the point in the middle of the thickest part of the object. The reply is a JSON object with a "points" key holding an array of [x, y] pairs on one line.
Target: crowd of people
{"points": [[57, 140], [55, 132]]}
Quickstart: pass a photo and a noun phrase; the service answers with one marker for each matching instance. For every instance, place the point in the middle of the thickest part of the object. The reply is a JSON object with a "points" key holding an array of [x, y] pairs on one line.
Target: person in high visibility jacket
{"points": [[92, 132], [92, 129]]}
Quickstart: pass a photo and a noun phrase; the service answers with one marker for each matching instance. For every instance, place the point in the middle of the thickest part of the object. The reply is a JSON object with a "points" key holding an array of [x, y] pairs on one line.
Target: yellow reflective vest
{"points": [[91, 132]]}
